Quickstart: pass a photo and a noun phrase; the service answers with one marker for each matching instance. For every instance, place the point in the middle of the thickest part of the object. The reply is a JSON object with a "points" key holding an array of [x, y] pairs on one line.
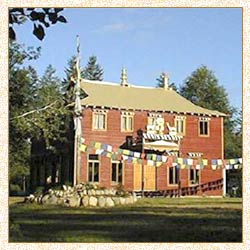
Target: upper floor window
{"points": [[180, 125], [204, 126], [127, 121], [100, 119], [155, 123]]}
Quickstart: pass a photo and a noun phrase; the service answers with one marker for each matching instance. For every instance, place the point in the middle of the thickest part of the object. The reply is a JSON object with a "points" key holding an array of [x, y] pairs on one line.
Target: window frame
{"points": [[97, 113], [127, 115], [93, 161], [176, 124], [205, 121], [117, 172], [195, 175], [176, 175]]}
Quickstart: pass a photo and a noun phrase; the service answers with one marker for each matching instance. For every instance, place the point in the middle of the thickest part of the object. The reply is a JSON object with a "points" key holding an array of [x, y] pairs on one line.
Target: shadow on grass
{"points": [[130, 224]]}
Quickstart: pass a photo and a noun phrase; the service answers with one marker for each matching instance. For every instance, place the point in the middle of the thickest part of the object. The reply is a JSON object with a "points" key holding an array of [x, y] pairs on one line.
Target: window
{"points": [[99, 119], [116, 171], [194, 176], [155, 123], [173, 175], [204, 126], [127, 120], [93, 169], [180, 125]]}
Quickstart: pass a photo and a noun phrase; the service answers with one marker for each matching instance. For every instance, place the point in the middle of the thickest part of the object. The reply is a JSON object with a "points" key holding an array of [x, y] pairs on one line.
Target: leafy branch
{"points": [[41, 17]]}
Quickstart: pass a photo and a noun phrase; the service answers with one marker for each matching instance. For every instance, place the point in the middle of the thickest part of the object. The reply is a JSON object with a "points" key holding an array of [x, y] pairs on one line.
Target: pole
{"points": [[224, 173], [77, 119], [142, 175]]}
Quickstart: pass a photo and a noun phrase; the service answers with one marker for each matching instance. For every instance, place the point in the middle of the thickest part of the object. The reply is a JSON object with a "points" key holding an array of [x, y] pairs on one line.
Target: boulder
{"points": [[122, 200], [101, 201], [106, 192], [60, 201], [93, 201], [45, 198], [51, 200], [74, 201], [109, 202], [85, 201], [84, 192], [93, 192], [116, 200], [102, 192], [89, 192], [97, 192]]}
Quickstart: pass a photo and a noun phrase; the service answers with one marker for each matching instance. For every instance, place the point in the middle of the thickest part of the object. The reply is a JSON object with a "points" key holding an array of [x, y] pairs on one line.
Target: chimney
{"points": [[124, 77], [165, 81]]}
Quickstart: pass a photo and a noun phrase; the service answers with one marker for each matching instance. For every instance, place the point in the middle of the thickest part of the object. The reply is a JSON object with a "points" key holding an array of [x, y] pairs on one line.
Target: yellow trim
{"points": [[180, 118], [127, 116]]}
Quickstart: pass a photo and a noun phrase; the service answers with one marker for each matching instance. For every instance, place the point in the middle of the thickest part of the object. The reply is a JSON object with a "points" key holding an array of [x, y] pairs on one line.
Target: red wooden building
{"points": [[149, 121]]}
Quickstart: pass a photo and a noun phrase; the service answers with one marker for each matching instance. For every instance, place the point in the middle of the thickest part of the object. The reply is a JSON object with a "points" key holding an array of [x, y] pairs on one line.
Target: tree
{"points": [[40, 17], [202, 88], [22, 83], [160, 83], [37, 111], [93, 71]]}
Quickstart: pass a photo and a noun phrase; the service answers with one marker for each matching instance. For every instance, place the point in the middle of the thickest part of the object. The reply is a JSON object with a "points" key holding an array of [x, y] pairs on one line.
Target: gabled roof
{"points": [[104, 94]]}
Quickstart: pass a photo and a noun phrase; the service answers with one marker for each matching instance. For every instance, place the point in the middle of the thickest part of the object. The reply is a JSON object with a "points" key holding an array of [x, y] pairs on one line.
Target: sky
{"points": [[147, 42]]}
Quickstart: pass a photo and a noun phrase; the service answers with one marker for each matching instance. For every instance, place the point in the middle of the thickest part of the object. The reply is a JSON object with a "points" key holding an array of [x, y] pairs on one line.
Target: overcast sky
{"points": [[148, 41]]}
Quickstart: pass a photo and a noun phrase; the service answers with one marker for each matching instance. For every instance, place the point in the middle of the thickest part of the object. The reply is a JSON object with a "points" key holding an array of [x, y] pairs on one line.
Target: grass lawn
{"points": [[148, 220]]}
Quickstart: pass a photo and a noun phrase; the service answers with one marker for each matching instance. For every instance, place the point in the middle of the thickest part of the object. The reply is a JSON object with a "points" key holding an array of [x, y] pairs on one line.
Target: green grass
{"points": [[149, 220]]}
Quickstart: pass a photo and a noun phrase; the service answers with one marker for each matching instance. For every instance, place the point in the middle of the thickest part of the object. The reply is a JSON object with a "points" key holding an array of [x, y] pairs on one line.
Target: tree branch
{"points": [[33, 111]]}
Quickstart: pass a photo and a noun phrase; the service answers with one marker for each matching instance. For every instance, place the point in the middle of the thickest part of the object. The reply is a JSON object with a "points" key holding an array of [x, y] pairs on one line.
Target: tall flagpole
{"points": [[77, 118]]}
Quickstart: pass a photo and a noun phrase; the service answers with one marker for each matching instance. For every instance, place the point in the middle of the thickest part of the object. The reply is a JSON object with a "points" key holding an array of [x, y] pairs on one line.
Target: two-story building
{"points": [[149, 121]]}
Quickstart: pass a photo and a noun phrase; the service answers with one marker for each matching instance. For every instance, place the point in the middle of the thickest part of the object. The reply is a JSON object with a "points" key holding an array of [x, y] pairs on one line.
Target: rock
{"points": [[106, 192], [101, 201], [89, 192], [93, 192], [60, 201], [122, 200], [64, 187], [134, 198], [113, 192], [127, 200], [97, 192], [74, 201], [109, 202], [85, 201], [116, 200], [45, 198], [52, 200], [93, 201], [102, 192]]}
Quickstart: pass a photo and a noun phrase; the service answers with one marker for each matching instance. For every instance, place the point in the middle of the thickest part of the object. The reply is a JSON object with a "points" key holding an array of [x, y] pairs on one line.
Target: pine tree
{"points": [[93, 71], [160, 83], [202, 89]]}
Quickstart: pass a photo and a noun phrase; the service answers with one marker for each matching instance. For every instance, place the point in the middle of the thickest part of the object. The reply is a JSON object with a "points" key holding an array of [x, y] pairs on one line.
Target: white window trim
{"points": [[117, 166], [93, 161], [97, 112], [176, 120], [207, 120]]}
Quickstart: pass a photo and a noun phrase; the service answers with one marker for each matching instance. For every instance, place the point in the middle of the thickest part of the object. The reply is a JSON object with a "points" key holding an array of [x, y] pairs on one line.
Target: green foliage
{"points": [[160, 83], [40, 17], [93, 70], [202, 88]]}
